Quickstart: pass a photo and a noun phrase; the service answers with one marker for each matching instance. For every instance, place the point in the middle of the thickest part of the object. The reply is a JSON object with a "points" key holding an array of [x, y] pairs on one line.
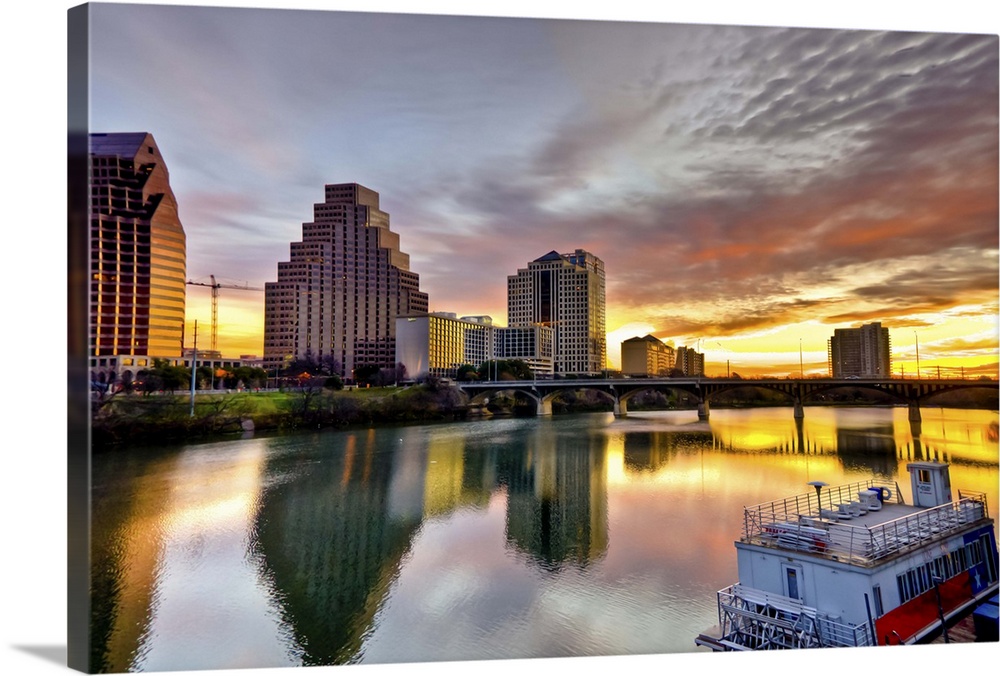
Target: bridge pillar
{"points": [[544, 407], [703, 410], [799, 410], [621, 408], [914, 414]]}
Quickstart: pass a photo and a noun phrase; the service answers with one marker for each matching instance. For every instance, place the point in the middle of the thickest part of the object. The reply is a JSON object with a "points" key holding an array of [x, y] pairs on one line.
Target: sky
{"points": [[749, 189], [33, 47]]}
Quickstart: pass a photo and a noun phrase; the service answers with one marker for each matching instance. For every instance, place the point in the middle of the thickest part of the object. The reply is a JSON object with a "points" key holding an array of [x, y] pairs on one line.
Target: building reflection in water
{"points": [[127, 546], [331, 540], [170, 530], [557, 502]]}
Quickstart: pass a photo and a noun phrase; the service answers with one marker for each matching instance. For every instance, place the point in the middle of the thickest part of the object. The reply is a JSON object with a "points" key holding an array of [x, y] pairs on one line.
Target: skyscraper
{"points": [[861, 352], [566, 292], [137, 254], [342, 288]]}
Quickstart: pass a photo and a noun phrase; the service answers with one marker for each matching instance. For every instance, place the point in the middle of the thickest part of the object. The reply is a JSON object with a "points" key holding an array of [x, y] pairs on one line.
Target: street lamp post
{"points": [[194, 365], [801, 369], [917, 342]]}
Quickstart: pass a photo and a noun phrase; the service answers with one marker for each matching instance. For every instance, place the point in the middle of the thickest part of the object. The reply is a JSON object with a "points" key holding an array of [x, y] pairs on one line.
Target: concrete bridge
{"points": [[909, 391]]}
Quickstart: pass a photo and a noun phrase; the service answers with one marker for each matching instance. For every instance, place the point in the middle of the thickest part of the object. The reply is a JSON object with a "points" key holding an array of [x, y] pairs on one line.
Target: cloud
{"points": [[731, 179]]}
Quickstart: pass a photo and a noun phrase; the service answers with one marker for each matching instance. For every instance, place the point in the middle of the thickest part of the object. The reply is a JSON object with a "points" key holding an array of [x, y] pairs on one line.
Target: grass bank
{"points": [[164, 418]]}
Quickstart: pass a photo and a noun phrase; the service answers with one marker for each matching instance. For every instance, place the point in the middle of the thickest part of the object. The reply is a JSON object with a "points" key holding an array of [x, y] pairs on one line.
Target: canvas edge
{"points": [[78, 414]]}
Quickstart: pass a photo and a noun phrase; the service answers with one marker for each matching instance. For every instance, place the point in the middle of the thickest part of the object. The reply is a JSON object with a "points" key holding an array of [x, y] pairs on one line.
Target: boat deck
{"points": [[838, 525]]}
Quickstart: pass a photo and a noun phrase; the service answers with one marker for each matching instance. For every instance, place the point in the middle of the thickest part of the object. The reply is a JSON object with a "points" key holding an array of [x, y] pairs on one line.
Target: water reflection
{"points": [[580, 535], [557, 504], [330, 537]]}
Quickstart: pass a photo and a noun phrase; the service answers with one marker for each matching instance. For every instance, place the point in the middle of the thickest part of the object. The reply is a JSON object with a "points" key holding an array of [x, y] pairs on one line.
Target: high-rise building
{"points": [[863, 352], [648, 356], [137, 255], [565, 292], [690, 361], [343, 287]]}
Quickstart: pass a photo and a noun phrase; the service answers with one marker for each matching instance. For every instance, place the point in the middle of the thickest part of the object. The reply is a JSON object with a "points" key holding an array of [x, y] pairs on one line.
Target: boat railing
{"points": [[910, 531], [977, 496], [757, 620], [802, 523]]}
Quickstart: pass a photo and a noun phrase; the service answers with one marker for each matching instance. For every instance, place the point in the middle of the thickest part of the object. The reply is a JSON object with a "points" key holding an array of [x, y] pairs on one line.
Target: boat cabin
{"points": [[858, 565]]}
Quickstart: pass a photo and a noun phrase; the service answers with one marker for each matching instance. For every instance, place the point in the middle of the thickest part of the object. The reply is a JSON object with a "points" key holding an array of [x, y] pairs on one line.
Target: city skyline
{"points": [[750, 189]]}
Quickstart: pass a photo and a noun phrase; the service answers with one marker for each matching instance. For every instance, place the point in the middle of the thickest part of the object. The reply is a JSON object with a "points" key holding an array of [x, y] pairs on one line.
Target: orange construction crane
{"points": [[215, 303]]}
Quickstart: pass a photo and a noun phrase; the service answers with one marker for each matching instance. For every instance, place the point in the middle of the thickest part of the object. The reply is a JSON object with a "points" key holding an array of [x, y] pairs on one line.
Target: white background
{"points": [[33, 554]]}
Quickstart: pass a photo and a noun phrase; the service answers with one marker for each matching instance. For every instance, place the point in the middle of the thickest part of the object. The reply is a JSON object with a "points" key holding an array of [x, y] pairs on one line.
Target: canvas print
{"points": [[411, 339]]}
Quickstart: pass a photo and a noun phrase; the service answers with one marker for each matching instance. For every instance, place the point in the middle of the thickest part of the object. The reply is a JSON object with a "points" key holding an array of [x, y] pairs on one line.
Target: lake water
{"points": [[503, 538]]}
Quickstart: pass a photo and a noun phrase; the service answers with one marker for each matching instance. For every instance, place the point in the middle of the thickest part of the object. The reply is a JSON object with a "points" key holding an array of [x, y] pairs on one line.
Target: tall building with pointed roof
{"points": [[137, 254], [344, 284], [565, 292]]}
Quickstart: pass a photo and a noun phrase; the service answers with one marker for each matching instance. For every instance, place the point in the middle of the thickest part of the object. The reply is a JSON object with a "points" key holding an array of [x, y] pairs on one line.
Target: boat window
{"points": [[877, 595], [985, 547], [975, 554], [792, 576]]}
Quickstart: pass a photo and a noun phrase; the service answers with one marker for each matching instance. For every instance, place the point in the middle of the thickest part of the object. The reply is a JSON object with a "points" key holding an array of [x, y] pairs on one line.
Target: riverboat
{"points": [[858, 565]]}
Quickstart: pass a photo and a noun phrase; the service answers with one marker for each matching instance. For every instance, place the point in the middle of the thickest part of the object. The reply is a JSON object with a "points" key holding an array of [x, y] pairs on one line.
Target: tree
{"points": [[390, 376], [505, 369], [325, 365], [204, 376], [164, 376], [328, 365], [366, 373], [466, 373], [306, 401], [248, 376]]}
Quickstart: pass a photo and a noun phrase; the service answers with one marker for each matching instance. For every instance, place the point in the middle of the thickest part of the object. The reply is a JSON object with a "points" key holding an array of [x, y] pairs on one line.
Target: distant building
{"points": [[647, 356], [252, 360], [690, 362], [343, 287], [437, 344], [564, 292], [137, 256], [531, 344], [211, 359], [864, 352]]}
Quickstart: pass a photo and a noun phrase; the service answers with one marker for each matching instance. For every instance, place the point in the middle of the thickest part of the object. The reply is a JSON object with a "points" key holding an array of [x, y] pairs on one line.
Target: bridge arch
{"points": [[624, 394], [482, 397]]}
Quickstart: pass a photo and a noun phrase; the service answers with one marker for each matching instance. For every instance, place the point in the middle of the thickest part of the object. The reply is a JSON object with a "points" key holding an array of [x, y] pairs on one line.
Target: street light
{"points": [[801, 370], [917, 341]]}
